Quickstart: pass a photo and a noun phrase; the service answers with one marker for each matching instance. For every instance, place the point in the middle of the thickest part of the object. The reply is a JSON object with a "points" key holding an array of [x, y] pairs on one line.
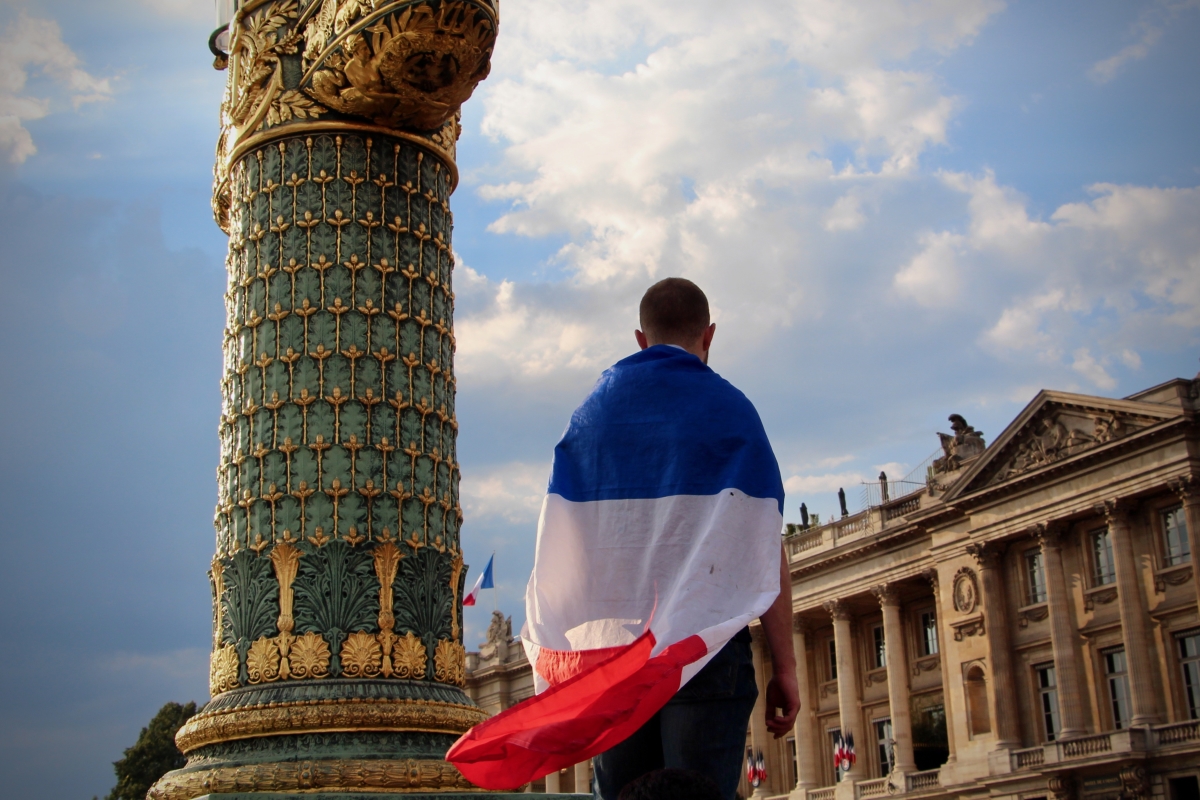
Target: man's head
{"points": [[675, 311]]}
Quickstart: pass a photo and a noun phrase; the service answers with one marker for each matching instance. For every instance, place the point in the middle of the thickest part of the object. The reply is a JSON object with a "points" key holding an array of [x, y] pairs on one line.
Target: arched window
{"points": [[977, 701]]}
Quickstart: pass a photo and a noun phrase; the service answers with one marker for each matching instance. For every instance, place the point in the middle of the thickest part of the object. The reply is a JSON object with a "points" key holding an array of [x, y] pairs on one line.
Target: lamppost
{"points": [[337, 662]]}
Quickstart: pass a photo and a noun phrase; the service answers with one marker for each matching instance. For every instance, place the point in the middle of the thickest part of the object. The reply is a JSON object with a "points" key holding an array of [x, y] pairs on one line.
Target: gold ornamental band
{"points": [[340, 775], [333, 126], [327, 716]]}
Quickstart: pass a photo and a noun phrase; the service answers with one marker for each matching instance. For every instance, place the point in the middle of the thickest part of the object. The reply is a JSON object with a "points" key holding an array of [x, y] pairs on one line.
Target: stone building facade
{"points": [[1022, 623]]}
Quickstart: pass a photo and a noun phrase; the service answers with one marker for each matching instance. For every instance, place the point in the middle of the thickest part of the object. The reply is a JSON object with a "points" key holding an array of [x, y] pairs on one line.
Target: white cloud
{"points": [[1087, 366], [705, 156], [28, 44], [1147, 30], [845, 215], [511, 492], [931, 277]]}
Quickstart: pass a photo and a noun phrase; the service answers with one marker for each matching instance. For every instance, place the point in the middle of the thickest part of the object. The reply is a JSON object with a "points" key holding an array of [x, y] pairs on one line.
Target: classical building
{"points": [[1021, 623]]}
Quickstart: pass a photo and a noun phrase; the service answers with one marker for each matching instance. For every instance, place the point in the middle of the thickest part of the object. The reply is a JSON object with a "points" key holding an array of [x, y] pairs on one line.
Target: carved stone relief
{"points": [[1059, 433], [966, 591]]}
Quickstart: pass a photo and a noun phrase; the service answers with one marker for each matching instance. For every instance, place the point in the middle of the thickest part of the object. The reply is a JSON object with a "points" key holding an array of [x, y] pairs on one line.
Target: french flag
{"points": [[484, 581], [659, 540]]}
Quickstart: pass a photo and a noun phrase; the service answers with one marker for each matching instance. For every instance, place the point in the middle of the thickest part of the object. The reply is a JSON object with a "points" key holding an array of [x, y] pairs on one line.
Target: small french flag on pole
{"points": [[484, 581]]}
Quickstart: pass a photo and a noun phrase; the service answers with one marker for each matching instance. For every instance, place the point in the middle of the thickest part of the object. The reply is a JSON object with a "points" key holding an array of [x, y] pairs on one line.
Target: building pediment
{"points": [[1055, 427]]}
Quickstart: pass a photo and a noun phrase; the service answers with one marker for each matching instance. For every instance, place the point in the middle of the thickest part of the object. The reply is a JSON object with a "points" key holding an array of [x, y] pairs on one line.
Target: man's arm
{"points": [[782, 694]]}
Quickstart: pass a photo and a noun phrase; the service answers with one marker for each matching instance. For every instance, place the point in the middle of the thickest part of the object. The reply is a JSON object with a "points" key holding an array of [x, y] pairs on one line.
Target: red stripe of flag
{"points": [[574, 720]]}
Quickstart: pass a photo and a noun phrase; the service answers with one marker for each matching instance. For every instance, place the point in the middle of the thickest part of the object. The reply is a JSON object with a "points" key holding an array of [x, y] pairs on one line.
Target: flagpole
{"points": [[495, 601]]}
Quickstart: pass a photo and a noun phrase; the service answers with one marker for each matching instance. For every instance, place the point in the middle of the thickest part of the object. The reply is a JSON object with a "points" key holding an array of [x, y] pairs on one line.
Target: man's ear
{"points": [[706, 341], [641, 339]]}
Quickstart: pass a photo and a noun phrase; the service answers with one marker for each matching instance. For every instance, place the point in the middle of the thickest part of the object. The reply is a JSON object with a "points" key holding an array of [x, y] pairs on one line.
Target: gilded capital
{"points": [[400, 67]]}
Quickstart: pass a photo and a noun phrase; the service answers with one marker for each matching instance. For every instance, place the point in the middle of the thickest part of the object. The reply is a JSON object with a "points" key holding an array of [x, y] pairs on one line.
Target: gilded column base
{"points": [[384, 795], [341, 736]]}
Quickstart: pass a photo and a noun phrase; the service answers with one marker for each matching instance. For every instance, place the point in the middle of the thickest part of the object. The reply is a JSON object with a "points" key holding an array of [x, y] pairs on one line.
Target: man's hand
{"points": [[782, 695]]}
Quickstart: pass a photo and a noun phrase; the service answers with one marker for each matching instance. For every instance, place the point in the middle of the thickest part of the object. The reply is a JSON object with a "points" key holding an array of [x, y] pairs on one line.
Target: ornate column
{"points": [[806, 720], [995, 611], [897, 677], [1188, 489], [1135, 620], [1062, 633], [931, 575], [337, 660], [759, 738], [849, 696]]}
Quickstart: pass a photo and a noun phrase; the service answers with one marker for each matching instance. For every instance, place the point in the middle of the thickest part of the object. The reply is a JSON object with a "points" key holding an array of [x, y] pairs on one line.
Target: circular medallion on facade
{"points": [[966, 591]]}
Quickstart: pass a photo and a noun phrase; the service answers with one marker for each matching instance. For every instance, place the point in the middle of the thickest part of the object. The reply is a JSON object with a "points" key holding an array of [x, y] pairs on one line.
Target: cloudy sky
{"points": [[899, 209]]}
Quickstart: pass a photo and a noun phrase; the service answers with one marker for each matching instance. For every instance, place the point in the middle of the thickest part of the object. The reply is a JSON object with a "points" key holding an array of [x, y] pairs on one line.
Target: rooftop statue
{"points": [[959, 447]]}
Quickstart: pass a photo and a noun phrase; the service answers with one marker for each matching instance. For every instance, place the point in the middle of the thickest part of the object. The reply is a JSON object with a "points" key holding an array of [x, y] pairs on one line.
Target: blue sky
{"points": [[899, 209]]}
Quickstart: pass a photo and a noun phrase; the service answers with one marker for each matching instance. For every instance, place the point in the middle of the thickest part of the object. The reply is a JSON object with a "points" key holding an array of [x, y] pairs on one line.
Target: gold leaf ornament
{"points": [[410, 69], [408, 657], [450, 662], [223, 670], [361, 656], [262, 662], [309, 656]]}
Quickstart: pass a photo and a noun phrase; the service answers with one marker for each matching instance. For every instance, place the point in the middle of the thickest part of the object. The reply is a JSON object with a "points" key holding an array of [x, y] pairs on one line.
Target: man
{"points": [[703, 726], [658, 543]]}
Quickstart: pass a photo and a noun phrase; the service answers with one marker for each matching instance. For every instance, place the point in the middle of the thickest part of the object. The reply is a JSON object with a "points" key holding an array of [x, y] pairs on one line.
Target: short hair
{"points": [[672, 784], [673, 309]]}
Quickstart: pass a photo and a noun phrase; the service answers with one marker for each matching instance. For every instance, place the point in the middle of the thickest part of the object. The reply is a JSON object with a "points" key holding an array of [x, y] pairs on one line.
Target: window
{"points": [[832, 660], [1175, 537], [1189, 658], [1048, 692], [1118, 686], [929, 633], [1035, 576], [883, 739], [1103, 571], [879, 653]]}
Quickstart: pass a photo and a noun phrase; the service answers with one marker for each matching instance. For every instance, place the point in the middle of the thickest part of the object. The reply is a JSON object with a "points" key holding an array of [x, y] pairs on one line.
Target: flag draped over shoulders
{"points": [[658, 541]]}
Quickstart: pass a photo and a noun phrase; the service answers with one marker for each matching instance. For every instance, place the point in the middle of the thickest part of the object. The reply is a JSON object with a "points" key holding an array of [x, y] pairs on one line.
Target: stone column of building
{"points": [[849, 695], [995, 611], [931, 575], [759, 738], [897, 677], [553, 783], [1188, 489], [1062, 633], [806, 721], [1135, 620], [338, 571], [583, 778]]}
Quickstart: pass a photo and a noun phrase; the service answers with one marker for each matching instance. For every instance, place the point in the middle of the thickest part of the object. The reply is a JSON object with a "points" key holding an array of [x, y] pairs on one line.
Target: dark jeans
{"points": [[703, 727]]}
